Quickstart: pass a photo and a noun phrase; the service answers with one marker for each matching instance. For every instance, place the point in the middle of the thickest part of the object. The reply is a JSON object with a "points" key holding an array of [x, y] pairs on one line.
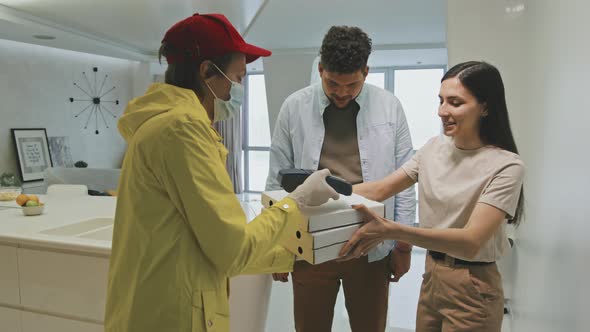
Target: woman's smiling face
{"points": [[459, 110]]}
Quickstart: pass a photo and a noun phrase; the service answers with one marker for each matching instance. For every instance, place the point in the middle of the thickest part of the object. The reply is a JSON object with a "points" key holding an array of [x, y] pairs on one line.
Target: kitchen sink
{"points": [[96, 229]]}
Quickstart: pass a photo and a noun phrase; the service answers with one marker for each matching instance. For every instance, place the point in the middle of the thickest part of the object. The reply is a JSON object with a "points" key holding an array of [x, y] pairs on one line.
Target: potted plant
{"points": [[9, 186]]}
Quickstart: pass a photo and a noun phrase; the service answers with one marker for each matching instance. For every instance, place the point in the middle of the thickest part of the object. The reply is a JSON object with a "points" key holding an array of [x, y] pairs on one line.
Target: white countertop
{"points": [[17, 229]]}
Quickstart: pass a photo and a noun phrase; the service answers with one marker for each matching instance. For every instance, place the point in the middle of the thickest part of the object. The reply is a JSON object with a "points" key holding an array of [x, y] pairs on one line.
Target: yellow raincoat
{"points": [[180, 231]]}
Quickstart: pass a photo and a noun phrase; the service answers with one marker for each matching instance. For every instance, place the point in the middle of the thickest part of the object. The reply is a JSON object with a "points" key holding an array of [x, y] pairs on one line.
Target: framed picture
{"points": [[32, 151]]}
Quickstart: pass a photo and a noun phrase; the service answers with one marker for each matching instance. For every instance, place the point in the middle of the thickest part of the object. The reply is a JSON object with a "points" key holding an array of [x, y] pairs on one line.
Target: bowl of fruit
{"points": [[30, 204]]}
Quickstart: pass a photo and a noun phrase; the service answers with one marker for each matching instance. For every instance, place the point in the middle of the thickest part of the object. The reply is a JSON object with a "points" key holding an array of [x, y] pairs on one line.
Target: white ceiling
{"points": [[303, 23], [133, 28]]}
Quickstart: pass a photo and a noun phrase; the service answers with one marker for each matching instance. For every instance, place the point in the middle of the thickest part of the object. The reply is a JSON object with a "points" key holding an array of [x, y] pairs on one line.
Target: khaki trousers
{"points": [[460, 298], [366, 288]]}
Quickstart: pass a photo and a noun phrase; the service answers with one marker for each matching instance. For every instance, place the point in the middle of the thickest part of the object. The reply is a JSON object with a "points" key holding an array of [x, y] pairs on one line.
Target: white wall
{"points": [[284, 73], [543, 55], [480, 30], [408, 57], [552, 291], [34, 90]]}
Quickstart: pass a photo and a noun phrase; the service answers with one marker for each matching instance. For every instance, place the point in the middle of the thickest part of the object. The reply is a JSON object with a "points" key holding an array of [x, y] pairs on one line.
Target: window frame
{"points": [[246, 147], [390, 73]]}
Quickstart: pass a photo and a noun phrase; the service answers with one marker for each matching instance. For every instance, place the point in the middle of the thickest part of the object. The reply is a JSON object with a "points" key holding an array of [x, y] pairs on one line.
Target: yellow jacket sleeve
{"points": [[278, 259], [197, 181]]}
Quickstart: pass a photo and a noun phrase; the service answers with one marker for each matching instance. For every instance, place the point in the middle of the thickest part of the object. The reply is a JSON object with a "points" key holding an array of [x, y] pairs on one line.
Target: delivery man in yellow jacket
{"points": [[180, 231]]}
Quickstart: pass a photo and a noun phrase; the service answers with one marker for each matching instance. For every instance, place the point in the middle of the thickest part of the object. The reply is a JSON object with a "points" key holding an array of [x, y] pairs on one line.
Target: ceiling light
{"points": [[44, 37], [514, 8]]}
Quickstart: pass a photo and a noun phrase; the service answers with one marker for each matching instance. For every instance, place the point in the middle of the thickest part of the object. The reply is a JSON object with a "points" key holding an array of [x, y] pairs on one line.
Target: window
{"points": [[377, 79], [256, 134], [417, 90]]}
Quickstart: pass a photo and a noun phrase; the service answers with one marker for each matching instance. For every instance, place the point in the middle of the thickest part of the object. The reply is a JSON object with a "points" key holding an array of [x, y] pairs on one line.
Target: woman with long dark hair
{"points": [[470, 187]]}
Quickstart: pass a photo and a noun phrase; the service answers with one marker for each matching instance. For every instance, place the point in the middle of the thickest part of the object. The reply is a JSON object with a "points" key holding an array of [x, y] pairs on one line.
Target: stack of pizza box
{"points": [[323, 230]]}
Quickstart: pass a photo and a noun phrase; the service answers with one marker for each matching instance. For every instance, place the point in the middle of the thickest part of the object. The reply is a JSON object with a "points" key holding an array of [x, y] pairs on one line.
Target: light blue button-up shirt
{"points": [[383, 138]]}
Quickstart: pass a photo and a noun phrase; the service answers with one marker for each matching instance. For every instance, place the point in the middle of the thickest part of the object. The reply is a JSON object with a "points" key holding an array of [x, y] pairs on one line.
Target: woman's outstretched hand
{"points": [[375, 230]]}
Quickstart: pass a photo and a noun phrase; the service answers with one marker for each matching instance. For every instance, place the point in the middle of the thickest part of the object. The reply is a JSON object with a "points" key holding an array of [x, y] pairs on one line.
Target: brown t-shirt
{"points": [[452, 181], [340, 151]]}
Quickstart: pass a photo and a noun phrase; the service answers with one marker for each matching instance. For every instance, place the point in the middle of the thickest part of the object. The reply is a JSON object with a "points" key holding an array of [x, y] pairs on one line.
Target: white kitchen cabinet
{"points": [[8, 275], [63, 283], [54, 269], [248, 302], [33, 322], [10, 320]]}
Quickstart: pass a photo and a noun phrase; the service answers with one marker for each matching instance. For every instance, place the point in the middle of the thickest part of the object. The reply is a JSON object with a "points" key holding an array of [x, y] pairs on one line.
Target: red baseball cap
{"points": [[205, 36]]}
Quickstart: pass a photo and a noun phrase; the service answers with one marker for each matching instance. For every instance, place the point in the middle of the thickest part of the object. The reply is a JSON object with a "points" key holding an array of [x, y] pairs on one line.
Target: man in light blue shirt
{"points": [[360, 133]]}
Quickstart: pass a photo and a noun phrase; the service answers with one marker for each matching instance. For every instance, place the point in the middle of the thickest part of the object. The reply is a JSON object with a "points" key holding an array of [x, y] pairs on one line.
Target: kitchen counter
{"points": [[16, 228], [54, 268]]}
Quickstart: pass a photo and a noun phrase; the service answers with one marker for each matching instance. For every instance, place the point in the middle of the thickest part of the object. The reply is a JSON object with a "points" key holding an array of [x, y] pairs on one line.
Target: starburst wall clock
{"points": [[97, 103]]}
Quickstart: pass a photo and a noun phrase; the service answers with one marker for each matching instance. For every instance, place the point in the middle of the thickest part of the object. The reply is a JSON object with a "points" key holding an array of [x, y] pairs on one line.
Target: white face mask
{"points": [[225, 109]]}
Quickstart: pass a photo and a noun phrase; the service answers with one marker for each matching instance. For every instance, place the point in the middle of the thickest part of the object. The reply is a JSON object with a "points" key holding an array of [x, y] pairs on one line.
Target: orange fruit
{"points": [[34, 198], [22, 199]]}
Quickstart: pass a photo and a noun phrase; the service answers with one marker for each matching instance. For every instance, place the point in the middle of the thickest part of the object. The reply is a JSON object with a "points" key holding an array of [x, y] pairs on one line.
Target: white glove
{"points": [[314, 190]]}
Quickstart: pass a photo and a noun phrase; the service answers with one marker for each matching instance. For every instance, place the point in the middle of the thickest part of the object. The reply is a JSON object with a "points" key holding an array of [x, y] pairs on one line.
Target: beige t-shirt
{"points": [[452, 181], [340, 151]]}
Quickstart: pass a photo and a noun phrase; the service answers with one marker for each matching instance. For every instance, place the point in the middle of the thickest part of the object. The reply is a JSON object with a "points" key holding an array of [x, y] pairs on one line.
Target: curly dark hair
{"points": [[345, 49]]}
